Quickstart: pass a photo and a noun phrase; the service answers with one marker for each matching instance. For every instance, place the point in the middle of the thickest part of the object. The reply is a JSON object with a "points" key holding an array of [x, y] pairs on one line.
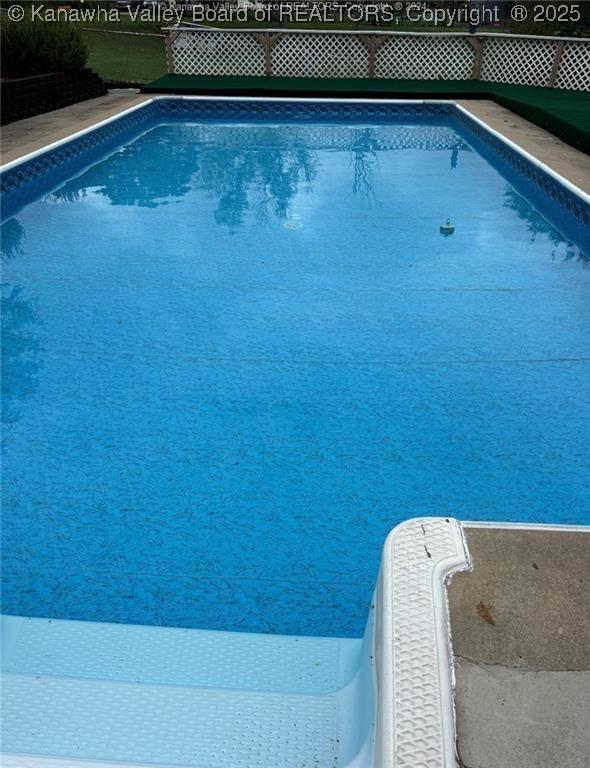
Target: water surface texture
{"points": [[235, 356]]}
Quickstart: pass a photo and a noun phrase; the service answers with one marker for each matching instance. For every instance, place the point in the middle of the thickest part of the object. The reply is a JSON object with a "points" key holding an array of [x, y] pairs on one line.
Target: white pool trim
{"points": [[414, 660], [555, 527]]}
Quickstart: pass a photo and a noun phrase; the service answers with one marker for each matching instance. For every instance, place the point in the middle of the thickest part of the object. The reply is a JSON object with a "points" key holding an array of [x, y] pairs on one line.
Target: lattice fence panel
{"points": [[574, 68], [217, 53], [320, 55], [524, 61], [425, 58]]}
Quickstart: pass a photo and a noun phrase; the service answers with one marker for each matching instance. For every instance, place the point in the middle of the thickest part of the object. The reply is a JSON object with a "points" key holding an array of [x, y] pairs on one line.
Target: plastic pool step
{"points": [[167, 725], [128, 694], [100, 696], [171, 656]]}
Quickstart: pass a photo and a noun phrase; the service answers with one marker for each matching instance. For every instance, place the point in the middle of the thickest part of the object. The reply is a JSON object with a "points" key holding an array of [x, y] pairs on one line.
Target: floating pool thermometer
{"points": [[447, 228]]}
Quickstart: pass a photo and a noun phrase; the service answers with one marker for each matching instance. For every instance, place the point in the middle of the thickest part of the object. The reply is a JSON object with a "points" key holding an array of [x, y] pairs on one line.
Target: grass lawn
{"points": [[131, 58], [125, 58], [137, 59]]}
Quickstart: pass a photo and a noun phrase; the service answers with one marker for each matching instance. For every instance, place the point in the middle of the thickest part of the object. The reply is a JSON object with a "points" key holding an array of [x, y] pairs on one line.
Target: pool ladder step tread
{"points": [[68, 717], [166, 696], [171, 656]]}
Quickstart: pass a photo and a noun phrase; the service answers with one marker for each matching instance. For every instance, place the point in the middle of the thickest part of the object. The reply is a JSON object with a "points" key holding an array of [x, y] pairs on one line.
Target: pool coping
{"points": [[526, 155]]}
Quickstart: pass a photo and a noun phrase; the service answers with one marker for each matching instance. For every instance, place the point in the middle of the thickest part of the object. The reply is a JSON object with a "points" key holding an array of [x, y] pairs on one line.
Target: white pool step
{"points": [[167, 725], [171, 656], [172, 696], [83, 695]]}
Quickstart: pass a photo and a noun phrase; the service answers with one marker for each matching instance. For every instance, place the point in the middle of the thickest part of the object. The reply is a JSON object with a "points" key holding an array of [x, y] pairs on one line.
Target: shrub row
{"points": [[38, 48]]}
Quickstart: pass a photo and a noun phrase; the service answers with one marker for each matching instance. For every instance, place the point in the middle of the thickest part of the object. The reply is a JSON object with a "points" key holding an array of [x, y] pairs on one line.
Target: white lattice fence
{"points": [[425, 58], [574, 67], [563, 63], [215, 53], [320, 55], [508, 60]]}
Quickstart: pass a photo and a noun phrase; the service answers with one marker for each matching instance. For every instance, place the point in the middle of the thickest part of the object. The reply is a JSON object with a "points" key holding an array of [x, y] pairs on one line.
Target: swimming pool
{"points": [[238, 351]]}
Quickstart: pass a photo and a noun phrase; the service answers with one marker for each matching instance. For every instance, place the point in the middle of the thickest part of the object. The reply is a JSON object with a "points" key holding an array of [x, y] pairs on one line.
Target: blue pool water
{"points": [[236, 355]]}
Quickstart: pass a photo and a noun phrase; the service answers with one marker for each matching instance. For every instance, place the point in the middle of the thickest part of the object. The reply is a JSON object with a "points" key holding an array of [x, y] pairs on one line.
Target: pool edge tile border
{"points": [[172, 97], [299, 100], [525, 154], [71, 137], [573, 200]]}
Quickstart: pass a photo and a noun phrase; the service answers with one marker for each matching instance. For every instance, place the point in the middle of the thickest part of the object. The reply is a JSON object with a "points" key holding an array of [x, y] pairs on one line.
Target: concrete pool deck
{"points": [[520, 623], [33, 133]]}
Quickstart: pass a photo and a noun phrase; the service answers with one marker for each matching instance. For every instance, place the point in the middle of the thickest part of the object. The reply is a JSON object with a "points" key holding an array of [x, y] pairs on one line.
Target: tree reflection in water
{"points": [[20, 352], [564, 250], [265, 182], [364, 156], [258, 169], [12, 236], [20, 360], [237, 179]]}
